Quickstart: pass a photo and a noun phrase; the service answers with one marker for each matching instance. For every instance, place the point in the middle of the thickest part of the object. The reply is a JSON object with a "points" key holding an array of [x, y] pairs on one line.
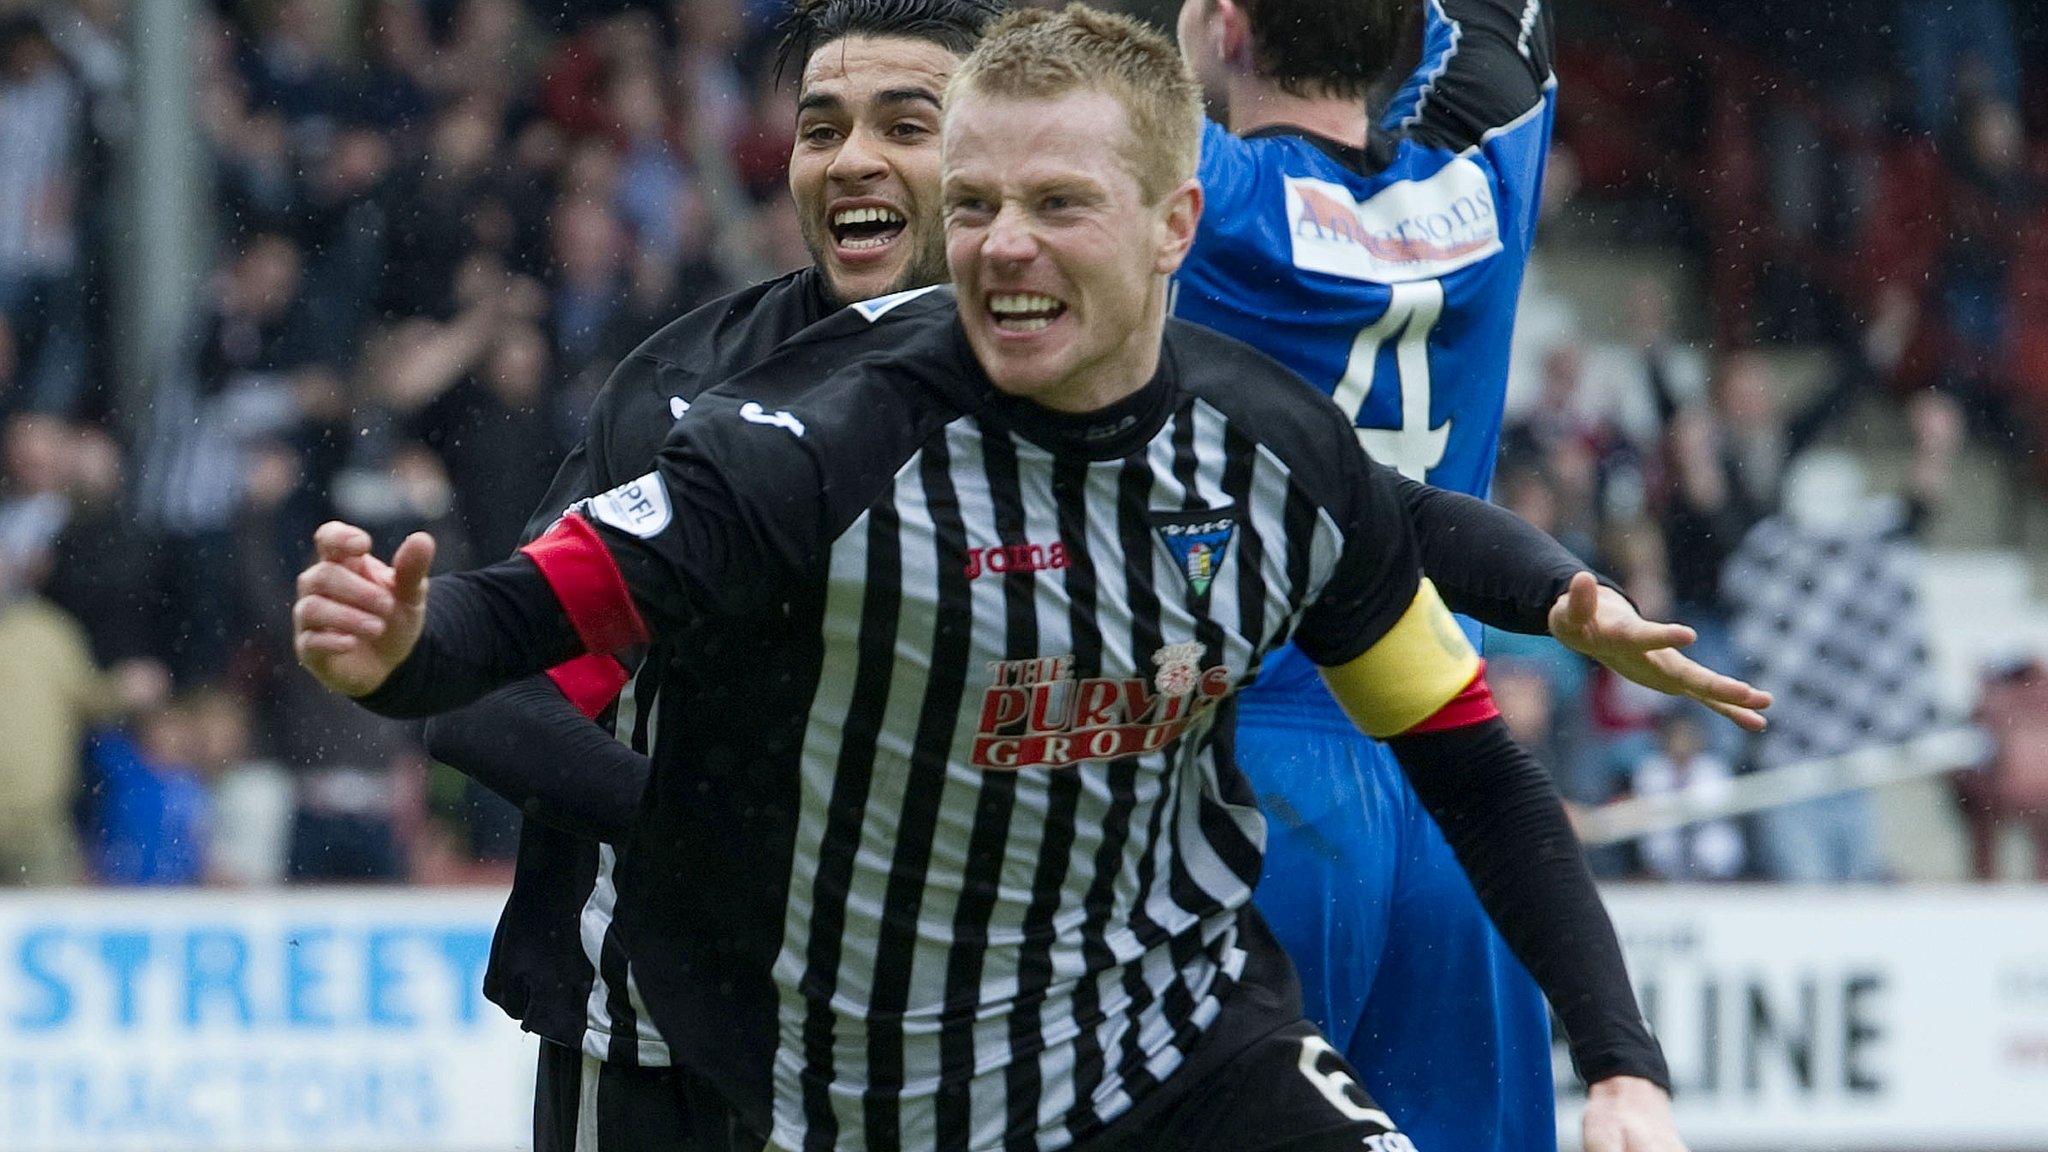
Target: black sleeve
{"points": [[740, 515], [527, 743], [522, 740], [1484, 63], [1379, 569], [1487, 562], [483, 629], [1505, 820]]}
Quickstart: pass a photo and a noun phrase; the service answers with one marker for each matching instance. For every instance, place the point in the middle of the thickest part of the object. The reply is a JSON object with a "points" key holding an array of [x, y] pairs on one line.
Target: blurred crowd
{"points": [[1856, 181], [439, 223], [438, 226]]}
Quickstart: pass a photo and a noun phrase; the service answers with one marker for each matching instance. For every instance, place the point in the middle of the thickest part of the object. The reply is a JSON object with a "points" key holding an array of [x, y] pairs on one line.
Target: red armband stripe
{"points": [[590, 681], [1472, 706], [580, 569]]}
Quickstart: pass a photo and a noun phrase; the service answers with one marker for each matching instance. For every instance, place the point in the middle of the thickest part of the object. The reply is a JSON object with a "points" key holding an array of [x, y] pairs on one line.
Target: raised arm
{"points": [[1484, 65]]}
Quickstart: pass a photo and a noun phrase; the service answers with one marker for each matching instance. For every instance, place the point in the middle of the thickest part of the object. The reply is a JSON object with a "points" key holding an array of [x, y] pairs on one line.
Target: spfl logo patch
{"points": [[1198, 541]]}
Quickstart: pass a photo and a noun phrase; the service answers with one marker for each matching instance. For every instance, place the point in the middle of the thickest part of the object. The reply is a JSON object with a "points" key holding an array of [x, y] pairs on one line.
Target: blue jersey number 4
{"points": [[1413, 446]]}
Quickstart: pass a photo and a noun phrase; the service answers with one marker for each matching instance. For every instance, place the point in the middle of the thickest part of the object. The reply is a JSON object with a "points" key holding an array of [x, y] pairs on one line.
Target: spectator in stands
{"points": [[1637, 386], [150, 814], [51, 692], [2012, 788], [1956, 51], [432, 222], [710, 37], [1523, 689], [251, 799], [388, 86], [295, 70], [341, 220], [477, 390], [248, 377], [106, 568], [40, 295], [1725, 462], [34, 506], [1993, 198], [590, 261], [1708, 850]]}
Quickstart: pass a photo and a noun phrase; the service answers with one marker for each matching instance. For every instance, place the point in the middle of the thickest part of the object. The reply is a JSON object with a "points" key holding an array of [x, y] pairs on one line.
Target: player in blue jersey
{"points": [[1381, 261]]}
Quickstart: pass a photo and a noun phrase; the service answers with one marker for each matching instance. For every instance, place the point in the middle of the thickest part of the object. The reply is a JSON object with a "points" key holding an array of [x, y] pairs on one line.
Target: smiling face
{"points": [[1059, 258], [865, 169]]}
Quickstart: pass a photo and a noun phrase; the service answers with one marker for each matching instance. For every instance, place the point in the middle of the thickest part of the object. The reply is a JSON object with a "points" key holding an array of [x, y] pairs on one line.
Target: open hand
{"points": [[357, 618], [1629, 1114], [1599, 623]]}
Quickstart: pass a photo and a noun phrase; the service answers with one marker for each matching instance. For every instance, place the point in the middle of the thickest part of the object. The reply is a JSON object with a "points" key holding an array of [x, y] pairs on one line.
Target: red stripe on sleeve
{"points": [[1472, 706], [585, 578], [590, 681]]}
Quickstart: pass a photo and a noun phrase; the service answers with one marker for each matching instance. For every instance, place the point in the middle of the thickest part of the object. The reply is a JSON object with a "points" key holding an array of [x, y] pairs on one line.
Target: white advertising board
{"points": [[1844, 1020], [352, 1020], [304, 1021]]}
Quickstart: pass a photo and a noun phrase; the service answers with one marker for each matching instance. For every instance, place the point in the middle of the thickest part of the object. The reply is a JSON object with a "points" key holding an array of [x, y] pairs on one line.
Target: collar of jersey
{"points": [[1105, 434], [1367, 161]]}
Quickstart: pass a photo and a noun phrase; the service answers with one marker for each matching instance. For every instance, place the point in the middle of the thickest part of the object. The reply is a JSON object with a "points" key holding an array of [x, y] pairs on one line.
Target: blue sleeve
{"points": [[1485, 63]]}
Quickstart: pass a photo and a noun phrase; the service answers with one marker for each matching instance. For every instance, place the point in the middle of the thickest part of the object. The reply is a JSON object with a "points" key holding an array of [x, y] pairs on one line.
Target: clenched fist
{"points": [[357, 618]]}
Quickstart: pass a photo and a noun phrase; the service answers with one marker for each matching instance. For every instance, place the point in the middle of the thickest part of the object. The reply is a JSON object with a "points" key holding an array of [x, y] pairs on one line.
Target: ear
{"points": [[1182, 215], [1232, 28]]}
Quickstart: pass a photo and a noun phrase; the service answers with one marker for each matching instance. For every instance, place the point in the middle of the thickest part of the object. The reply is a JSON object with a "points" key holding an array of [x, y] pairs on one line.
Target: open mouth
{"points": [[869, 229], [1024, 311]]}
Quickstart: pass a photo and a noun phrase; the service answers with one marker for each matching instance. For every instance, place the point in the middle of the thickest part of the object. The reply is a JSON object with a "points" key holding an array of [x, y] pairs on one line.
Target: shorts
{"points": [[1262, 1080], [1400, 965], [582, 1104]]}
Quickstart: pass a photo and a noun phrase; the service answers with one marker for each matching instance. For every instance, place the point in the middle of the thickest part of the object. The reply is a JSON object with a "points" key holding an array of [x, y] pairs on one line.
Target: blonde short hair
{"points": [[1035, 53]]}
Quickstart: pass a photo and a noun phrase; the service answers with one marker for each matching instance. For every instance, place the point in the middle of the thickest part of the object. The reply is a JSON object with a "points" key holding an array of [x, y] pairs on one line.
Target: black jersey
{"points": [[556, 966], [950, 850]]}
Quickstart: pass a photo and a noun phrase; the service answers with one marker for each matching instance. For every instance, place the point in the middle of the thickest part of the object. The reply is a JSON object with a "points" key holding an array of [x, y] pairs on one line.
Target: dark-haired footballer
{"points": [[865, 176]]}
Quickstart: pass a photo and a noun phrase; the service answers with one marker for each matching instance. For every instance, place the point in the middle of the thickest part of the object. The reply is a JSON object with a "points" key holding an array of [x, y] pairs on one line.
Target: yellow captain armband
{"points": [[1420, 665]]}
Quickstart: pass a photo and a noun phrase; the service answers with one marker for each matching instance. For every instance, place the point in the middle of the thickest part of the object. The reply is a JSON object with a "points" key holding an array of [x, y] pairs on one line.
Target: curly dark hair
{"points": [[956, 25]]}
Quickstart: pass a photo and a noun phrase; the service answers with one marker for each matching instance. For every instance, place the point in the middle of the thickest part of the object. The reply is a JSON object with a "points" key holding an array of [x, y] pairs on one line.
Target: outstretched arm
{"points": [[374, 632], [1502, 571], [1399, 665], [1504, 819], [684, 544]]}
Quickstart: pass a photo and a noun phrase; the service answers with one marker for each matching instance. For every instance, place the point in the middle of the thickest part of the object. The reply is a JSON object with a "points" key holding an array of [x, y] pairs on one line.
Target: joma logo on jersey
{"points": [[1410, 230], [1016, 558], [1036, 715]]}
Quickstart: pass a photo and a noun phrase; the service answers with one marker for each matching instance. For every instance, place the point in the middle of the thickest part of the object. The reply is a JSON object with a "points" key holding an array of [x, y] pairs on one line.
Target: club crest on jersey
{"points": [[1198, 541], [1409, 230]]}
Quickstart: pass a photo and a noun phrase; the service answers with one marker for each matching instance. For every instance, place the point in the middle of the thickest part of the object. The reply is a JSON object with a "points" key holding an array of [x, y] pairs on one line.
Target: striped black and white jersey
{"points": [[945, 845], [556, 965]]}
